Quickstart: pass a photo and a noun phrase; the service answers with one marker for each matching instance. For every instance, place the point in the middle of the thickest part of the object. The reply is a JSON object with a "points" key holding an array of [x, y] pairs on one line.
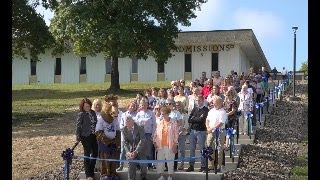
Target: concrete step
{"points": [[198, 152], [197, 164], [153, 175], [242, 138]]}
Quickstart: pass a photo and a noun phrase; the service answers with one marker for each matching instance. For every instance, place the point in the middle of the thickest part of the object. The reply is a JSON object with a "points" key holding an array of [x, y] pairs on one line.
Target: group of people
{"points": [[158, 121]]}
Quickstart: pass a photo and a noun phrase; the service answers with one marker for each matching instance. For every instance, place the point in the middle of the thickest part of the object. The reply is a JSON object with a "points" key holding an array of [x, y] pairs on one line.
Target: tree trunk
{"points": [[115, 85]]}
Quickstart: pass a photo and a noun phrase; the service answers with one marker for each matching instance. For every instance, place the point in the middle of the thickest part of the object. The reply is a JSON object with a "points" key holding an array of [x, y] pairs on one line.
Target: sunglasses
{"points": [[168, 103]]}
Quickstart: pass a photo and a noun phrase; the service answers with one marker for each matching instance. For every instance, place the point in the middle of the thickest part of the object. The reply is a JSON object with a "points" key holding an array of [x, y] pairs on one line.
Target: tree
{"points": [[29, 30], [121, 28], [304, 67]]}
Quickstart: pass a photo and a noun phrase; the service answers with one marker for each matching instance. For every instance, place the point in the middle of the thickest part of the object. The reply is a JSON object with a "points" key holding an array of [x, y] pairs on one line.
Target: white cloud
{"points": [[47, 14], [264, 24], [205, 20]]}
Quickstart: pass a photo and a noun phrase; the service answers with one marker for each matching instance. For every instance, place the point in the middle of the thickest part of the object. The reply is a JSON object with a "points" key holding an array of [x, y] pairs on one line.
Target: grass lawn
{"points": [[35, 103]]}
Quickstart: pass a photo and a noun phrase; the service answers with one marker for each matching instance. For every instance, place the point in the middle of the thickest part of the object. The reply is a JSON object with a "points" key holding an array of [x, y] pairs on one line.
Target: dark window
{"points": [[108, 66], [187, 63], [57, 70], [160, 67], [83, 66], [214, 62], [134, 65], [33, 65]]}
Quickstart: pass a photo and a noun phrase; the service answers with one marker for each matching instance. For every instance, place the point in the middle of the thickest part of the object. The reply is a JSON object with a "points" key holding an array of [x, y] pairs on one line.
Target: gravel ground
{"points": [[278, 143]]}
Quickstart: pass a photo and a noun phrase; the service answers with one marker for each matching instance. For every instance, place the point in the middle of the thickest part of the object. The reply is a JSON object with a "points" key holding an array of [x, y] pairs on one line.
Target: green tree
{"points": [[304, 67], [121, 28], [29, 30]]}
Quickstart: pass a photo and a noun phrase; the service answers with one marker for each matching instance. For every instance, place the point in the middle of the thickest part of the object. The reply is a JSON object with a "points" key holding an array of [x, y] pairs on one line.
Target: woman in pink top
{"points": [[205, 91], [166, 141]]}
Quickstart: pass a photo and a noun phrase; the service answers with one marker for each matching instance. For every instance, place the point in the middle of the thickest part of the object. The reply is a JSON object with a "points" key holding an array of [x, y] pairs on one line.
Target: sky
{"points": [[270, 20]]}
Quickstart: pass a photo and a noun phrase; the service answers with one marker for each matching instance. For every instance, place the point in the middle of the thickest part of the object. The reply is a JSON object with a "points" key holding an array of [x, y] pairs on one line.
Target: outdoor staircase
{"points": [[195, 175], [182, 175]]}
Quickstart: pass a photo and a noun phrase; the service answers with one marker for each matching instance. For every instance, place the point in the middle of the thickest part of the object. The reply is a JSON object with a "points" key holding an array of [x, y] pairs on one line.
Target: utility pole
{"points": [[294, 60]]}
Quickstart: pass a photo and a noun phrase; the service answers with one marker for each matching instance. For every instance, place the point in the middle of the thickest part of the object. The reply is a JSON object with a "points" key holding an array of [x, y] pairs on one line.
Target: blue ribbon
{"points": [[138, 161], [207, 152]]}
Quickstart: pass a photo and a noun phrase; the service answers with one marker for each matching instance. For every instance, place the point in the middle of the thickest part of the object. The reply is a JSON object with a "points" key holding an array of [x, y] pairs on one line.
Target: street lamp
{"points": [[294, 59]]}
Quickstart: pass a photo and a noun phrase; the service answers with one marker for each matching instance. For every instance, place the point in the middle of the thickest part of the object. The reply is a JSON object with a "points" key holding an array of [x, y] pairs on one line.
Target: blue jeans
{"points": [[182, 147], [123, 151], [198, 137], [149, 145]]}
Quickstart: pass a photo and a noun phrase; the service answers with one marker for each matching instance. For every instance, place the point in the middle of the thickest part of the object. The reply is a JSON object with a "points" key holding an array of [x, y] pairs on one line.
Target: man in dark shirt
{"points": [[274, 74], [198, 131]]}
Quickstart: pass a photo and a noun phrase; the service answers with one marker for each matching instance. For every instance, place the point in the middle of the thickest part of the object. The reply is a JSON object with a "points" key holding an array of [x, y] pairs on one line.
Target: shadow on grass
{"points": [[32, 94], [29, 118], [44, 124]]}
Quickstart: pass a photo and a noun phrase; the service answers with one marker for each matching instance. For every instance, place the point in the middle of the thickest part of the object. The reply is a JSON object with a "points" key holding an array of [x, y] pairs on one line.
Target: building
{"points": [[197, 51]]}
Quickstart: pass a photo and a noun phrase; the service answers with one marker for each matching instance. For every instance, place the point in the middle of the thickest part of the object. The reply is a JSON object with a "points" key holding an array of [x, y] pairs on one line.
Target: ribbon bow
{"points": [[271, 91], [207, 152], [229, 131], [249, 114], [67, 154], [267, 98], [259, 105], [234, 132], [264, 79]]}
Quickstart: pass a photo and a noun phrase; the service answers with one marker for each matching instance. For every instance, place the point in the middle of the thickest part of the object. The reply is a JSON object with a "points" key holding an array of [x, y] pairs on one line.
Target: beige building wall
{"points": [[70, 68], [95, 68], [20, 71], [175, 67], [124, 65], [147, 70], [228, 60], [200, 62], [45, 68]]}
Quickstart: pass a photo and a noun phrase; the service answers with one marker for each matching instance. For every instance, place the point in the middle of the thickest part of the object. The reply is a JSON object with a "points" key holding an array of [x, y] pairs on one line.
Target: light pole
{"points": [[294, 60]]}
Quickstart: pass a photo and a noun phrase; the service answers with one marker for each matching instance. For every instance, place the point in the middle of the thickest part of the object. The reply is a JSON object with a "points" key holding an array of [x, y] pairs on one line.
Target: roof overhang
{"points": [[245, 38]]}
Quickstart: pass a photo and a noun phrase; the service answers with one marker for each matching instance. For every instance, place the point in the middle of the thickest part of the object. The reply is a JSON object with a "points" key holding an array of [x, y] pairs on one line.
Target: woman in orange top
{"points": [[166, 141]]}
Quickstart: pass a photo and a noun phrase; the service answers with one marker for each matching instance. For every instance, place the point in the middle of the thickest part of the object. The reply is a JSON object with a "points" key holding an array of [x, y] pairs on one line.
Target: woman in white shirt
{"points": [[245, 106]]}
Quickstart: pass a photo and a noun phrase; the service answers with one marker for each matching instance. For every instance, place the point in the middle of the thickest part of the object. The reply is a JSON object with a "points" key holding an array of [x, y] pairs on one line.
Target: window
{"points": [[187, 63], [57, 70], [160, 67], [108, 66], [83, 66], [33, 65], [134, 65], [214, 62]]}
